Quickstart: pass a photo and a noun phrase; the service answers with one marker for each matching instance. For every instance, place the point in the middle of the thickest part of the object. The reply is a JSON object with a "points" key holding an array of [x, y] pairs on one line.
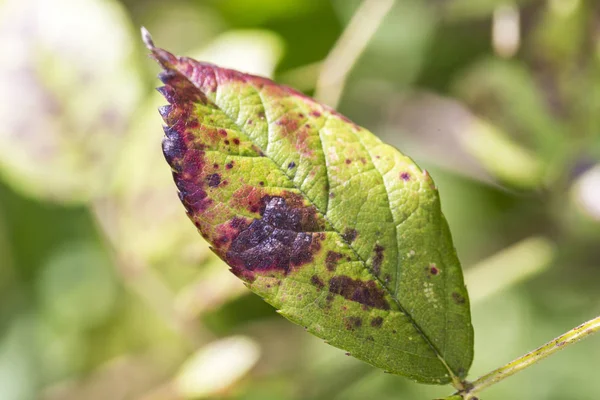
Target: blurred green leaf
{"points": [[77, 287], [505, 93], [502, 157], [69, 88], [216, 367]]}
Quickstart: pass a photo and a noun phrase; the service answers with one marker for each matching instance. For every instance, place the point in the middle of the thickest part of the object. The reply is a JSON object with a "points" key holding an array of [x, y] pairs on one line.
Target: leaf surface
{"points": [[340, 232]]}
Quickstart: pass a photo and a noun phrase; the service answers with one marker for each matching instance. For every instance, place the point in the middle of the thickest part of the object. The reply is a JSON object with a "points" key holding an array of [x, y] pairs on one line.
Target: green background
{"points": [[107, 292]]}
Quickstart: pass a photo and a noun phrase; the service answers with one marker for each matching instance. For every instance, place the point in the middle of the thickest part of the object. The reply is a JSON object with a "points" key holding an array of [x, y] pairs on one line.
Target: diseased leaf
{"points": [[340, 232]]}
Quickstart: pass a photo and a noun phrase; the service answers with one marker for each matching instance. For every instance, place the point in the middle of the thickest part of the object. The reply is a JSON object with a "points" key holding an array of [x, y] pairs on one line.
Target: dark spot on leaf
{"points": [[363, 292], [236, 141], [261, 183], [433, 270], [331, 195], [377, 259], [213, 180], [229, 165], [226, 142], [261, 114], [352, 323], [348, 161], [458, 298], [349, 235], [216, 166], [332, 259], [300, 115], [291, 165], [315, 280], [249, 122], [405, 176], [315, 114], [377, 322], [223, 132], [285, 237]]}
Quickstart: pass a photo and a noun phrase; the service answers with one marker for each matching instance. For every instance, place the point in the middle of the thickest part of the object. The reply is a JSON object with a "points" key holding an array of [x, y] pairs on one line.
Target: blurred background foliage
{"points": [[107, 291]]}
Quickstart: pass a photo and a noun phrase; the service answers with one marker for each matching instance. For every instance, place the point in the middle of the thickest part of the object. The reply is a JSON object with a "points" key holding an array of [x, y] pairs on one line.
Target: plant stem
{"points": [[572, 336]]}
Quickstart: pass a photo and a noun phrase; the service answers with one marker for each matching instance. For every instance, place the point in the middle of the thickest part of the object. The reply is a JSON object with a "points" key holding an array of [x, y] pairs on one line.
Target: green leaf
{"points": [[340, 232]]}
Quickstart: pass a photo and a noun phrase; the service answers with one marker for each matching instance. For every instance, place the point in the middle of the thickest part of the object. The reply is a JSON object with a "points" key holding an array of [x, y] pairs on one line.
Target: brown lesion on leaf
{"points": [[377, 322], [332, 259], [458, 298], [349, 235], [363, 292], [352, 323], [377, 258], [316, 281]]}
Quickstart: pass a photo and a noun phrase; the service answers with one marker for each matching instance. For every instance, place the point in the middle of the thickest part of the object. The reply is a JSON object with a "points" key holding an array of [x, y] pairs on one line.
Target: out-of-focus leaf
{"points": [[77, 287], [510, 266], [68, 88], [506, 93], [505, 159], [18, 377], [398, 49], [216, 367], [253, 51], [586, 193], [457, 10], [213, 288], [444, 132], [560, 34], [340, 232], [257, 12]]}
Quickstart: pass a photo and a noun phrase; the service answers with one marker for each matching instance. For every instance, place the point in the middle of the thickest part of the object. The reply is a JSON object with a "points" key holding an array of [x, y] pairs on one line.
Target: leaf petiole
{"points": [[574, 335]]}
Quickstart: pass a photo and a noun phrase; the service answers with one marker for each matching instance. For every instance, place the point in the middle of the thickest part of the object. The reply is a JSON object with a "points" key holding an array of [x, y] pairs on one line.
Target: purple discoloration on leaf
{"points": [[281, 240], [332, 259], [377, 322], [353, 323], [405, 176], [363, 292], [349, 235], [213, 180], [291, 165], [433, 270], [377, 259], [315, 280]]}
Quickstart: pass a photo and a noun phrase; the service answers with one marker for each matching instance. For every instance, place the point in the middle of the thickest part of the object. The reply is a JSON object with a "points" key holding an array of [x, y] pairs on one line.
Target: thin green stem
{"points": [[574, 335]]}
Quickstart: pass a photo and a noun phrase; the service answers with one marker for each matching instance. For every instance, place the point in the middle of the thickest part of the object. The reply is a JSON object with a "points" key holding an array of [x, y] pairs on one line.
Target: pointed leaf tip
{"points": [[147, 38]]}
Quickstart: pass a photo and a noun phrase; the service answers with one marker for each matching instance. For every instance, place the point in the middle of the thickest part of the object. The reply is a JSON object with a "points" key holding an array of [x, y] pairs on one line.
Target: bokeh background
{"points": [[107, 291]]}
